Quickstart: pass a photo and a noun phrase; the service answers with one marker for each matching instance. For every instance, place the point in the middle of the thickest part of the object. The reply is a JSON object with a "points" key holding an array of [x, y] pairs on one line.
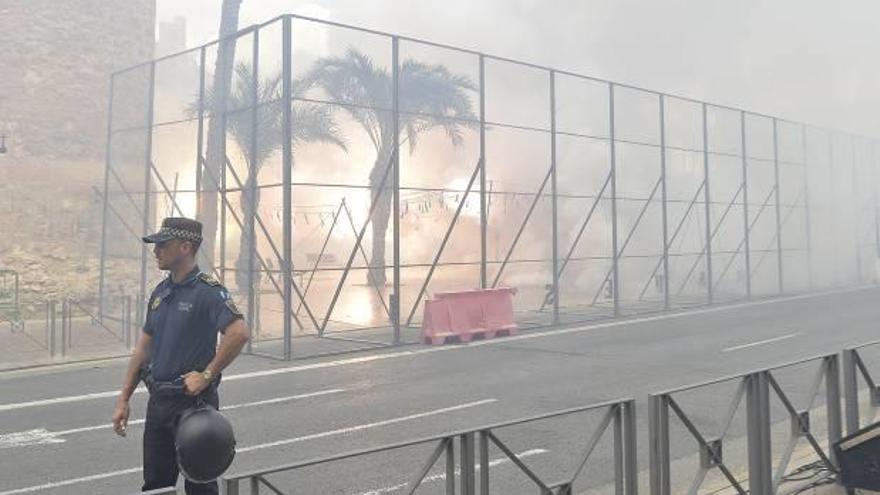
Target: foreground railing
{"points": [[619, 415], [854, 367], [762, 474], [758, 388]]}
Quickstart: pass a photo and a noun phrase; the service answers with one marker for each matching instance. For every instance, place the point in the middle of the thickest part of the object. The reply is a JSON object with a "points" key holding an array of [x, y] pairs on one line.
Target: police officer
{"points": [[178, 349]]}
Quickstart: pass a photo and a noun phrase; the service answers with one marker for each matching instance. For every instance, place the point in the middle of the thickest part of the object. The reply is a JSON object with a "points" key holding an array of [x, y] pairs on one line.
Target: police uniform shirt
{"points": [[183, 319]]}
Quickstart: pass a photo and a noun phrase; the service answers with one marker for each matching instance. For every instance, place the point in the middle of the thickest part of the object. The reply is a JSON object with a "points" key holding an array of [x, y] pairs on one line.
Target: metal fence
{"points": [[759, 388], [856, 362], [116, 323], [10, 298], [69, 326], [337, 144], [756, 455], [472, 471]]}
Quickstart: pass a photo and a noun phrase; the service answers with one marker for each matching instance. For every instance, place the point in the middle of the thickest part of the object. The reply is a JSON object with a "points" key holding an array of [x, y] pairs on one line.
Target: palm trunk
{"points": [[380, 203], [207, 204], [249, 211]]}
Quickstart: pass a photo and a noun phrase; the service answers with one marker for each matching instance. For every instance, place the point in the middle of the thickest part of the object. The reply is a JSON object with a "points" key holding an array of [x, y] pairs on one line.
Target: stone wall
{"points": [[51, 231], [56, 61]]}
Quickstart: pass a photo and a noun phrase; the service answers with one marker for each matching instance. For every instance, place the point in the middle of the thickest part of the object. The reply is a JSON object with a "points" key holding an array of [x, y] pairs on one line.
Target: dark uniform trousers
{"points": [[160, 456]]}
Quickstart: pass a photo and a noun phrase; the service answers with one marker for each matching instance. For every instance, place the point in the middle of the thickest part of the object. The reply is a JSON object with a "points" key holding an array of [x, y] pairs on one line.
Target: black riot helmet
{"points": [[205, 444]]}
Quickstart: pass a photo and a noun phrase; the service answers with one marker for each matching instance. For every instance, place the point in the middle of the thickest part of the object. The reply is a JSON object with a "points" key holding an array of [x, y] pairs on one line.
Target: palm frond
{"points": [[355, 81], [309, 124], [315, 123], [430, 96]]}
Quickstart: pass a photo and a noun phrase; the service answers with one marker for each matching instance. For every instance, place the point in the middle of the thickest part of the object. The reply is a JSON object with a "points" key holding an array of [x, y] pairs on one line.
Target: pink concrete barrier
{"points": [[465, 315]]}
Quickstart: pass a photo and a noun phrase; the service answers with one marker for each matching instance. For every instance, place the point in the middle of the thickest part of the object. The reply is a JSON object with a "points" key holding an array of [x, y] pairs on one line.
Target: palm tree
{"points": [[207, 207], [312, 123], [429, 97]]}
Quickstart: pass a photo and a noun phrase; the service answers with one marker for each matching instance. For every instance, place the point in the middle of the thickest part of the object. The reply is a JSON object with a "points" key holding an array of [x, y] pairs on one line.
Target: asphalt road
{"points": [[54, 423]]}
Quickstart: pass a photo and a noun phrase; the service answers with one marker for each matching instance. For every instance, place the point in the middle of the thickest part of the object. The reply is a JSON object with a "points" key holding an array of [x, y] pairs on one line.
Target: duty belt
{"points": [[160, 388]]}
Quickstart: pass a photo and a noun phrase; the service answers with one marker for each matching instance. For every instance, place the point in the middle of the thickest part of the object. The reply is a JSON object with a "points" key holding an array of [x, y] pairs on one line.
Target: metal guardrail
{"points": [[15, 324], [853, 367], [621, 413], [58, 324], [51, 326], [10, 299], [756, 387], [9, 288], [70, 306]]}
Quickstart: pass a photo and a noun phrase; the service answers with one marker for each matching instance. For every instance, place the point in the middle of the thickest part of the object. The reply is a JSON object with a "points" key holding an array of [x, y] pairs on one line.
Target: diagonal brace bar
{"points": [[743, 240], [443, 244], [629, 237], [594, 440], [360, 237], [705, 445], [678, 228], [522, 227], [794, 414], [272, 245], [545, 490], [707, 246], [322, 251], [577, 238], [442, 446], [775, 238], [366, 261]]}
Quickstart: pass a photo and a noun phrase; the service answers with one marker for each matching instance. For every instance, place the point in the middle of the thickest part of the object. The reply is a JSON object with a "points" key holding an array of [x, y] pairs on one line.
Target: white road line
{"points": [[342, 431], [442, 476], [107, 426], [404, 354], [760, 342], [284, 399], [38, 436], [352, 429], [73, 481], [62, 400], [42, 436]]}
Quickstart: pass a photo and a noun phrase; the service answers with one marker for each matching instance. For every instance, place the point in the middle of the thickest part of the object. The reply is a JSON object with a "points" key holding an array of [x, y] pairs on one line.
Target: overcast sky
{"points": [[809, 60]]}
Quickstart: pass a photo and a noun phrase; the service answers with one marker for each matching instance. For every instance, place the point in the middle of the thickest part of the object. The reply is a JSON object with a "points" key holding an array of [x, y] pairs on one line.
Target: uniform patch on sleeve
{"points": [[156, 302], [232, 307]]}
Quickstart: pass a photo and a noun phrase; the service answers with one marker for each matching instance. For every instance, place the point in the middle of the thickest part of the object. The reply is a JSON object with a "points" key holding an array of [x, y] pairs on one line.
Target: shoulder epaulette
{"points": [[209, 279]]}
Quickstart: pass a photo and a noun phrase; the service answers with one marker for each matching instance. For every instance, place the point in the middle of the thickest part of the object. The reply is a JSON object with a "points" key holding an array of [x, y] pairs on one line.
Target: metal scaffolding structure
{"points": [[594, 198]]}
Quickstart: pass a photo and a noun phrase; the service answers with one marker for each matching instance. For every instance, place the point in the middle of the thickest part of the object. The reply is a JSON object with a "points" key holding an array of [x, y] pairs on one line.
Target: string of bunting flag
{"points": [[412, 203]]}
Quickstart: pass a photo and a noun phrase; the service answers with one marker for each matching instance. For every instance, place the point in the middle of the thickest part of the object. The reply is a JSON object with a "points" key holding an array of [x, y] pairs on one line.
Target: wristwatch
{"points": [[207, 375]]}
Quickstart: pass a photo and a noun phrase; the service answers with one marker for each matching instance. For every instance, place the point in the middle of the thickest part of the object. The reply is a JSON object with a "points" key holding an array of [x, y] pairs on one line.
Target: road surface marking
{"points": [[404, 354], [761, 342], [42, 436], [442, 476], [352, 429], [342, 431], [73, 481], [38, 436], [61, 400]]}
